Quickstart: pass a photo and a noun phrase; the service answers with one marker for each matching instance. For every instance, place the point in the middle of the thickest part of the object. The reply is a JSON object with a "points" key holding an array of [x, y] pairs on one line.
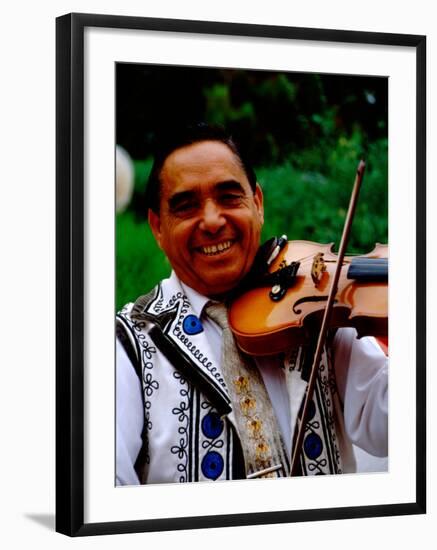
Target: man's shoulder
{"points": [[131, 320], [162, 297], [153, 314]]}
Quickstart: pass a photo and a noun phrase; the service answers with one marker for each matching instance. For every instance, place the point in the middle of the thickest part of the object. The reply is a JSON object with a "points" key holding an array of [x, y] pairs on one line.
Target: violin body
{"points": [[273, 318]]}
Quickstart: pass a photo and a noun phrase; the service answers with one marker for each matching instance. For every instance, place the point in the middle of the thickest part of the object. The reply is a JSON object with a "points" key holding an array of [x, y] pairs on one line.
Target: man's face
{"points": [[210, 220]]}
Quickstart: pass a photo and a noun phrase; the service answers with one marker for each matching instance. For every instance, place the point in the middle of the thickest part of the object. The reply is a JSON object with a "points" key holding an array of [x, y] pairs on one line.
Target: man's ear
{"points": [[259, 202], [155, 225]]}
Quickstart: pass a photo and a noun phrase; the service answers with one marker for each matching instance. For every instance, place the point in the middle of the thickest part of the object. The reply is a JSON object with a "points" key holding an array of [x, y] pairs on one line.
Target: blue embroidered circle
{"points": [[212, 465], [212, 425], [313, 446], [192, 325]]}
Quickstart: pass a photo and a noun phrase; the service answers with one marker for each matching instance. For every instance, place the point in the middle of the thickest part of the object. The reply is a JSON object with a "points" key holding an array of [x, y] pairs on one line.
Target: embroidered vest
{"points": [[188, 434]]}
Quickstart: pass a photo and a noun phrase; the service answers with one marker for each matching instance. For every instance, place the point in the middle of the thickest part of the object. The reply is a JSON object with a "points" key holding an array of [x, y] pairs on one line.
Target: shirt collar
{"points": [[197, 300]]}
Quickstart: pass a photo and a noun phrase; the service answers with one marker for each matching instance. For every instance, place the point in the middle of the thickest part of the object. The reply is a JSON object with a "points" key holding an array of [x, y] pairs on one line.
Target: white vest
{"points": [[188, 431]]}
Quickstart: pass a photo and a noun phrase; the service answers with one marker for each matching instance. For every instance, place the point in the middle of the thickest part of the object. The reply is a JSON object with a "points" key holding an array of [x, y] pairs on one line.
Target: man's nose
{"points": [[212, 217]]}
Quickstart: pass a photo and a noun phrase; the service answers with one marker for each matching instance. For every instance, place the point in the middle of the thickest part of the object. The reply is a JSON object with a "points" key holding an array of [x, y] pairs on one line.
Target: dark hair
{"points": [[177, 138]]}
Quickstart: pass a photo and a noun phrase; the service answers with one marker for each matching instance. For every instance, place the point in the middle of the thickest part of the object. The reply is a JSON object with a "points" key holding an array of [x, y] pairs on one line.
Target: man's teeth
{"points": [[216, 249]]}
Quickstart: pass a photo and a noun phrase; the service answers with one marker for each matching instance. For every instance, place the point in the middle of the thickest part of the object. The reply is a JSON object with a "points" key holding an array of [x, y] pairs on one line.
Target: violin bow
{"points": [[326, 316]]}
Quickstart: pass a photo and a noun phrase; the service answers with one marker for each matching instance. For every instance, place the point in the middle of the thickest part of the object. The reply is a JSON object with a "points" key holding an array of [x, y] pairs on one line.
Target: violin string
{"points": [[310, 258]]}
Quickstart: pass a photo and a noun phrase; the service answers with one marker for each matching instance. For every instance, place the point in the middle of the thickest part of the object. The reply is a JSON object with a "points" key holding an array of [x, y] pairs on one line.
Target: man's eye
{"points": [[183, 207], [231, 198]]}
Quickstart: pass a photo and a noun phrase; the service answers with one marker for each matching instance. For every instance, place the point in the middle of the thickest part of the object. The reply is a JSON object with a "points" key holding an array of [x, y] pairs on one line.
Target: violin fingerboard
{"points": [[368, 269]]}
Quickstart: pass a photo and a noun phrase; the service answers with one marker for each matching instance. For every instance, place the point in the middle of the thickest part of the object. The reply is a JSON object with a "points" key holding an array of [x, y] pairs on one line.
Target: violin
{"points": [[286, 307], [352, 293]]}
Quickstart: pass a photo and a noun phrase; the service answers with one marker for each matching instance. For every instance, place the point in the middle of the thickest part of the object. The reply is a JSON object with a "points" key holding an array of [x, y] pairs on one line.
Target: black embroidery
{"points": [[176, 356], [182, 412], [292, 362], [328, 388], [321, 453], [158, 304], [179, 301], [149, 384], [188, 344], [176, 298], [145, 350]]}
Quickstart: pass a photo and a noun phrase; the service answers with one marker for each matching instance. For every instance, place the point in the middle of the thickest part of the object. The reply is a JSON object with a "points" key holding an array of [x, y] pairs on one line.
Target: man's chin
{"points": [[217, 287], [220, 287]]}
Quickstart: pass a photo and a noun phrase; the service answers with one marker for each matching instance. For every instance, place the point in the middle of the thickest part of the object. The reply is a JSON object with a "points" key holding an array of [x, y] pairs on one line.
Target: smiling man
{"points": [[210, 217], [190, 405]]}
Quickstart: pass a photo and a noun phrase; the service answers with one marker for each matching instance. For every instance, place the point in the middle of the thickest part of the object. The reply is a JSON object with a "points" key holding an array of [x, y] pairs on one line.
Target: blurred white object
{"points": [[124, 178]]}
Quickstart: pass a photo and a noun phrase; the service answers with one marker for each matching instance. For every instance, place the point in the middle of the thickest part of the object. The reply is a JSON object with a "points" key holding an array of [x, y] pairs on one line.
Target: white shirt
{"points": [[362, 377]]}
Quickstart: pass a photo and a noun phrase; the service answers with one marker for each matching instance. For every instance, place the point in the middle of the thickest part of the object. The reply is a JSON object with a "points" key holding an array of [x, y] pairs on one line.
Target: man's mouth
{"points": [[214, 249]]}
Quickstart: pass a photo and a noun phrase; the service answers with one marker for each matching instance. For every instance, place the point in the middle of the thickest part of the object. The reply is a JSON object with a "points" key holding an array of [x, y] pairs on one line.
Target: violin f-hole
{"points": [[308, 299]]}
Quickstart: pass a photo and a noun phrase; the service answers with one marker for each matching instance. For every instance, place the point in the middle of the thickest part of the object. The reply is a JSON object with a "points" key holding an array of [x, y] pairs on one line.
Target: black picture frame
{"points": [[70, 312]]}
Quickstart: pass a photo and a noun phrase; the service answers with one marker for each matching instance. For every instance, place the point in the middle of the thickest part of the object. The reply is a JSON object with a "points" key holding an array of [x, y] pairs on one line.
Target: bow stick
{"points": [[326, 316]]}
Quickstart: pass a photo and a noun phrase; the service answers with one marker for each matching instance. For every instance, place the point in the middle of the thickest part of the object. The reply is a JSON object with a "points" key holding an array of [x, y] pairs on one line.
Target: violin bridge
{"points": [[318, 268]]}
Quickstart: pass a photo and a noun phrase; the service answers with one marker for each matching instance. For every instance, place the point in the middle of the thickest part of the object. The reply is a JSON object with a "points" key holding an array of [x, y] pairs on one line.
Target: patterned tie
{"points": [[254, 416]]}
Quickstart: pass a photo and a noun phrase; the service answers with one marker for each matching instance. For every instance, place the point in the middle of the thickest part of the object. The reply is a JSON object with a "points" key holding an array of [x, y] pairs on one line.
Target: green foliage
{"points": [[220, 110], [273, 113], [142, 171], [305, 197], [304, 132], [139, 261], [308, 201]]}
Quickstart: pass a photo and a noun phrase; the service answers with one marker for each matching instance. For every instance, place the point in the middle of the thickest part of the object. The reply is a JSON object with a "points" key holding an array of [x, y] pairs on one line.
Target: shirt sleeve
{"points": [[129, 418], [362, 377]]}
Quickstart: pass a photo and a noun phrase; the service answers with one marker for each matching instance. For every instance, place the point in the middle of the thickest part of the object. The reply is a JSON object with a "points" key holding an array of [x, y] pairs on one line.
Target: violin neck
{"points": [[368, 269]]}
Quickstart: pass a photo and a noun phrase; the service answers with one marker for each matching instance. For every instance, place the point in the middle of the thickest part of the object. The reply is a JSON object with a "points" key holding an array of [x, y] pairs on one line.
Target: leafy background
{"points": [[305, 134]]}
